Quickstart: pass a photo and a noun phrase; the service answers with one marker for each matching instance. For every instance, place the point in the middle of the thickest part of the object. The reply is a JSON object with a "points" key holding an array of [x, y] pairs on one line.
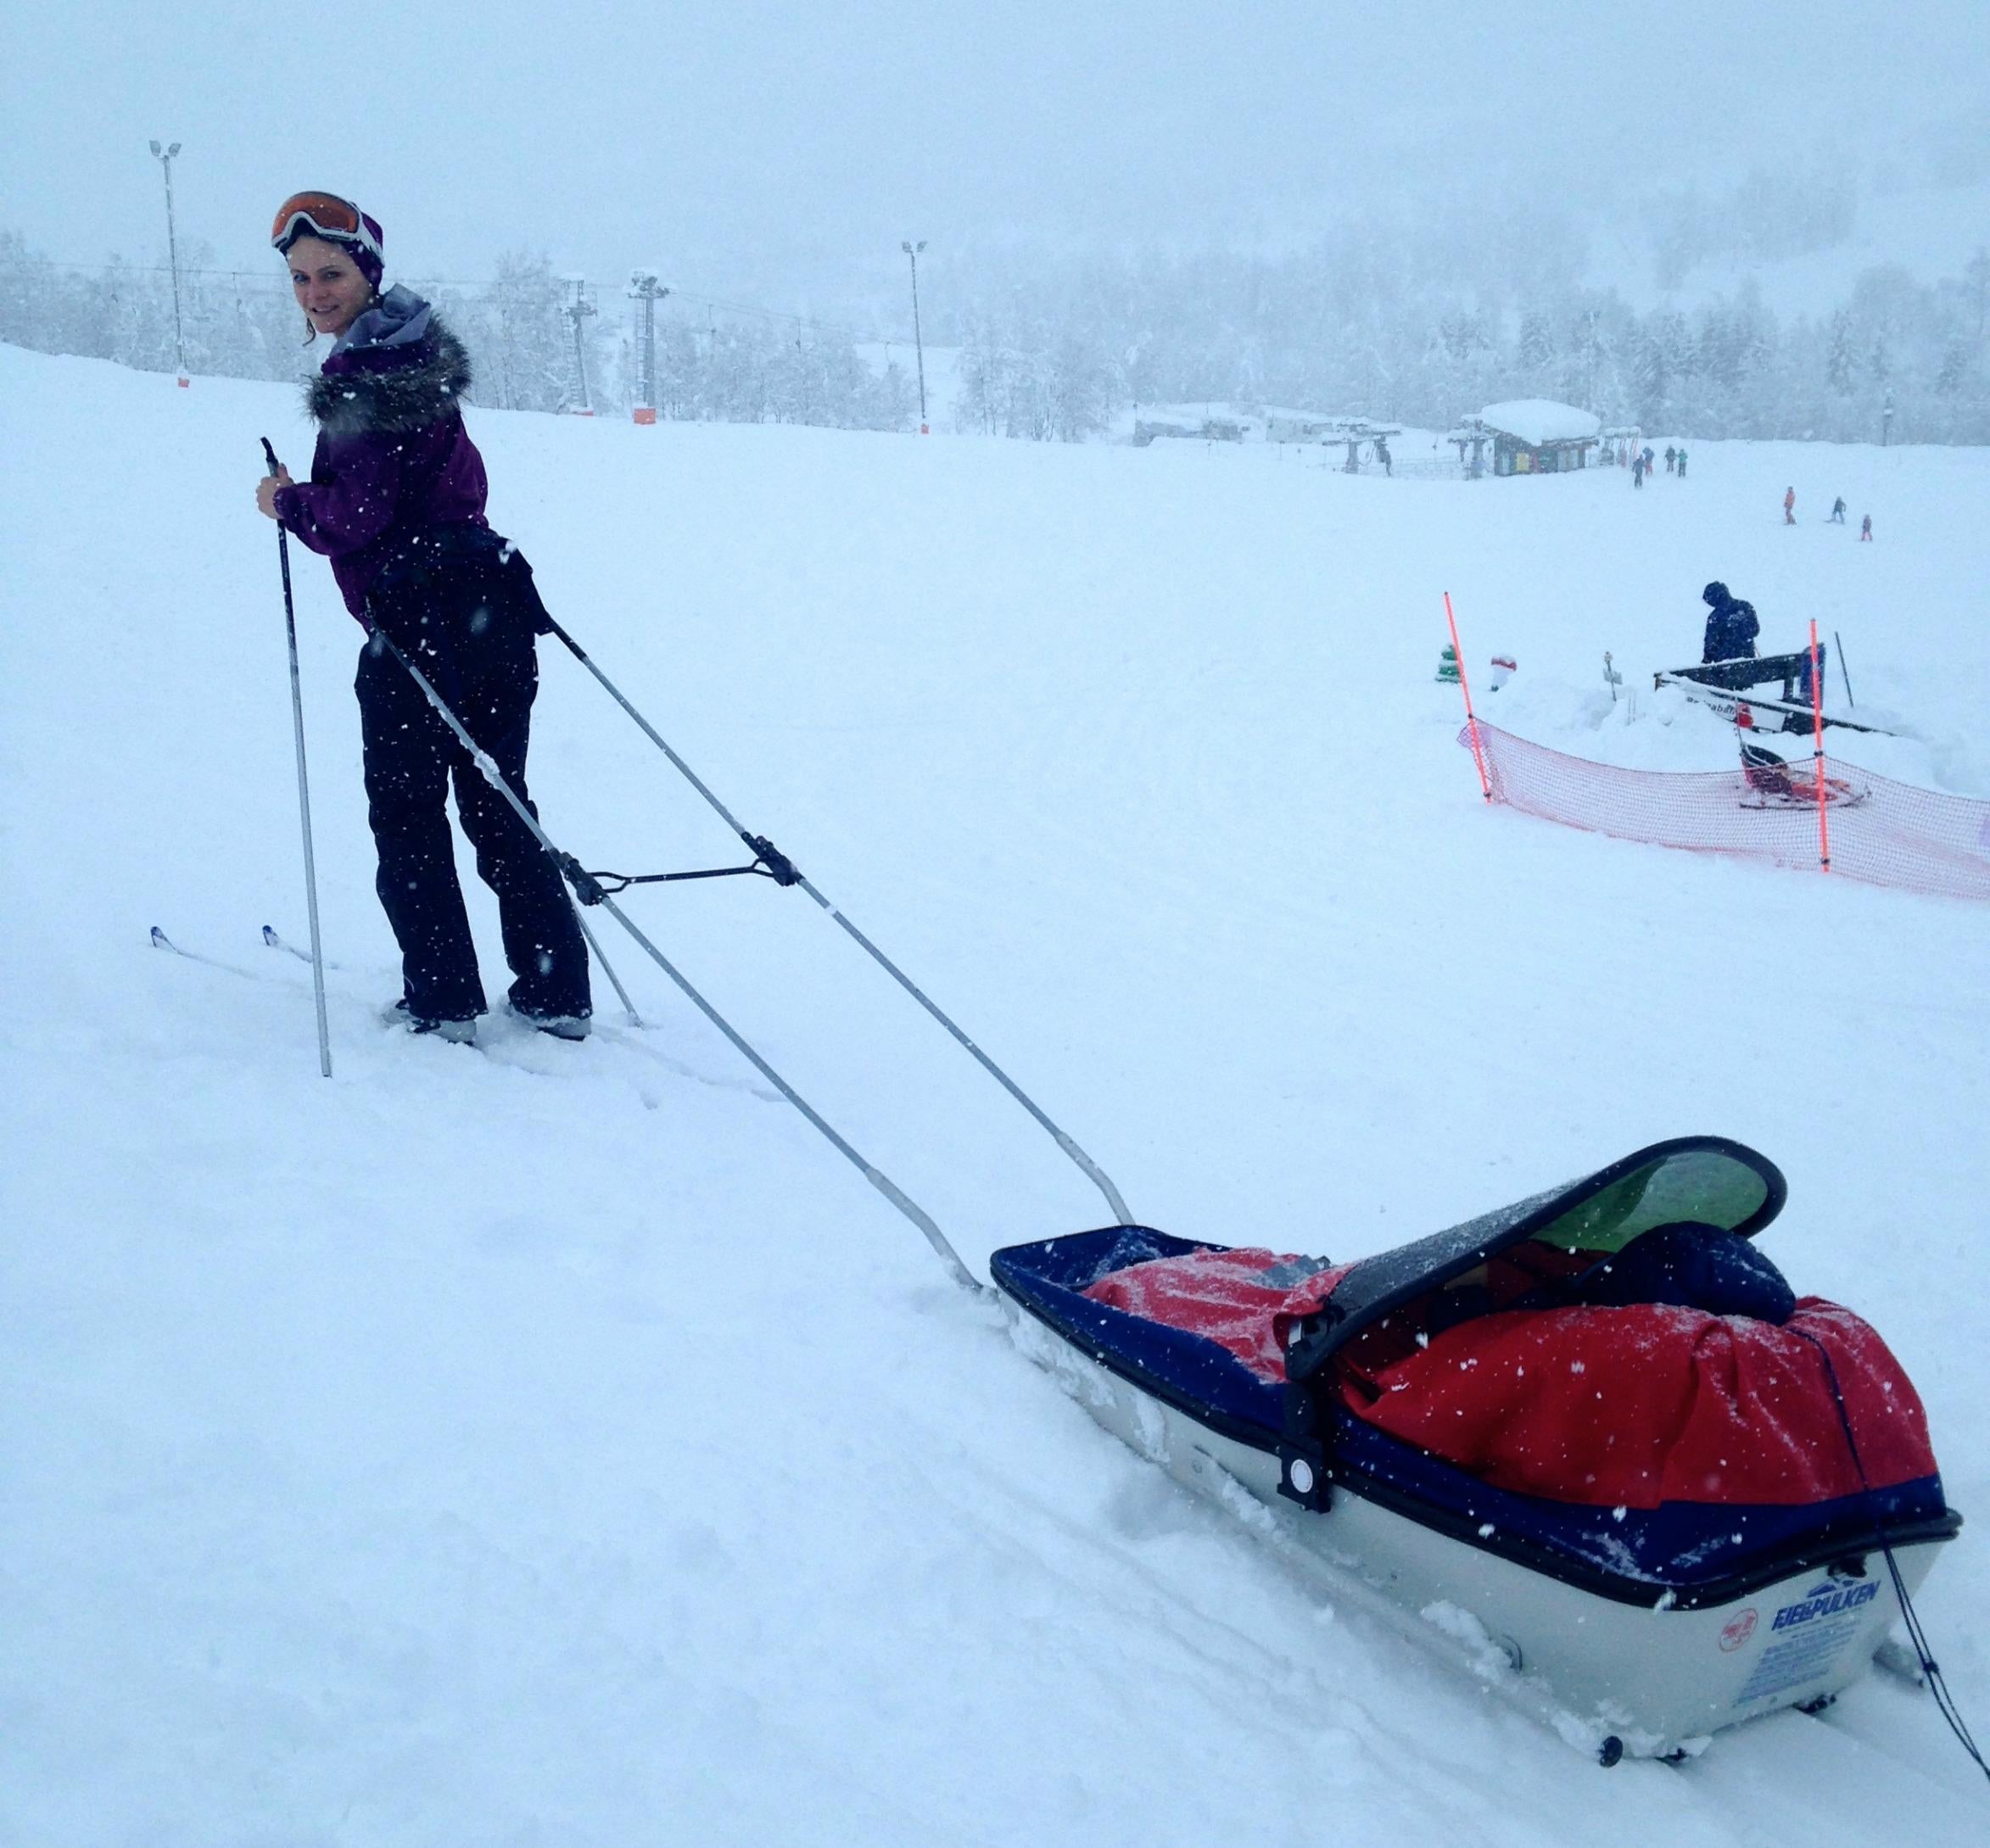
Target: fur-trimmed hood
{"points": [[399, 369]]}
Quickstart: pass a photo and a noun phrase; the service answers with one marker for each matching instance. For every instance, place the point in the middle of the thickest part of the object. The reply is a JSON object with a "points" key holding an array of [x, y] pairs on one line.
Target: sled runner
{"points": [[1651, 1519]]}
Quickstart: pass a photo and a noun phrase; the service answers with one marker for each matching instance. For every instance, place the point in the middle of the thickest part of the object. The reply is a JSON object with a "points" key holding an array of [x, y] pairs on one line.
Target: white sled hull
{"points": [[1645, 1681]]}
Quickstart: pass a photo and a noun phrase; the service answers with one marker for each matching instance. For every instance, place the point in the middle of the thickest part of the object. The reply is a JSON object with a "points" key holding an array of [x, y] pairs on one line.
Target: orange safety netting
{"points": [[1883, 832]]}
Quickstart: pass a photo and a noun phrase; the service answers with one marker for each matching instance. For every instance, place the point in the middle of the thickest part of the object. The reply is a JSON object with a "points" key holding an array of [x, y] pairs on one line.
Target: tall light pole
{"points": [[166, 159], [644, 286], [1886, 421], [919, 347]]}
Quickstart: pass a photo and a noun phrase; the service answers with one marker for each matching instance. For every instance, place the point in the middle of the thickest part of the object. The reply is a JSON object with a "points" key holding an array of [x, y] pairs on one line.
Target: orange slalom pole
{"points": [[1824, 827], [1465, 687]]}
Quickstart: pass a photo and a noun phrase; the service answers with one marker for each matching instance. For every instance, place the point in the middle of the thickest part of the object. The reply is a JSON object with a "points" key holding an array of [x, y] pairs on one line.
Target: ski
{"points": [[160, 940], [276, 941]]}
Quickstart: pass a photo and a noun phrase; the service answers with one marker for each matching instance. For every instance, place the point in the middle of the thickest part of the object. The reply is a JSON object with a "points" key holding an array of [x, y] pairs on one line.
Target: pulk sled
{"points": [[1635, 1632]]}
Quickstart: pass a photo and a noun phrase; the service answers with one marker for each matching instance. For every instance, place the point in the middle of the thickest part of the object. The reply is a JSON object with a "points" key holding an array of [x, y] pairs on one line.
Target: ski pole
{"points": [[1844, 673], [589, 891], [608, 967], [787, 873], [304, 788]]}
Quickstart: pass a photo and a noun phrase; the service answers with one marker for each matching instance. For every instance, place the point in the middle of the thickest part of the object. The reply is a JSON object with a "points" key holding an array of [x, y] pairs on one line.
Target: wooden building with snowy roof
{"points": [[1536, 436]]}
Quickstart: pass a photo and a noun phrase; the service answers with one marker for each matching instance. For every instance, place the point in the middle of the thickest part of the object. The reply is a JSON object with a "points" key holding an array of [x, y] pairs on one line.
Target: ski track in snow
{"points": [[557, 1446]]}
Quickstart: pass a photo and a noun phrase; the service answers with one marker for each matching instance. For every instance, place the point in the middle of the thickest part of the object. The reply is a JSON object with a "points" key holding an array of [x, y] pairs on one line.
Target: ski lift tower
{"points": [[645, 288], [1355, 431], [1621, 444], [1470, 434], [577, 311]]}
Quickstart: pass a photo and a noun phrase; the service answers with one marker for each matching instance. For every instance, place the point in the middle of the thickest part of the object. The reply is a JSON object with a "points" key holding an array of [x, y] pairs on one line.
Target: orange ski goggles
{"points": [[322, 214]]}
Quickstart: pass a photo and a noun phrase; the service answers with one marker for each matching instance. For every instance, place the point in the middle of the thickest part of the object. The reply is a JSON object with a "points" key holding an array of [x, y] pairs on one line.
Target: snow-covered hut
{"points": [[1536, 436], [1206, 423], [1284, 425]]}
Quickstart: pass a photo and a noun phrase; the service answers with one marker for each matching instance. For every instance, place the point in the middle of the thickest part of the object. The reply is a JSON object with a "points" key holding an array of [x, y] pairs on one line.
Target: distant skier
{"points": [[1866, 527], [1671, 456], [1682, 465], [1637, 472], [1382, 456], [1651, 459], [1789, 506], [1838, 511], [1731, 628]]}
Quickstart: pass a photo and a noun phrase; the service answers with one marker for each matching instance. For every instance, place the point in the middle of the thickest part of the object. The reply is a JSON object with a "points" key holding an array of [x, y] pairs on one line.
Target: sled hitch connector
{"points": [[587, 888], [1304, 1472], [779, 867], [769, 862]]}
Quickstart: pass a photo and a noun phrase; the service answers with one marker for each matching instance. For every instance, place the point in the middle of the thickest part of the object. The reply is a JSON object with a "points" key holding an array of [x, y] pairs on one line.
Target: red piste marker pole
{"points": [[1464, 687], [1824, 826]]}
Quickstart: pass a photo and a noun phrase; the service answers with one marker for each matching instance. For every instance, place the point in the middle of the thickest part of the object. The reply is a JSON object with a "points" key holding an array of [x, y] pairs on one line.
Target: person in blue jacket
{"points": [[1731, 628]]}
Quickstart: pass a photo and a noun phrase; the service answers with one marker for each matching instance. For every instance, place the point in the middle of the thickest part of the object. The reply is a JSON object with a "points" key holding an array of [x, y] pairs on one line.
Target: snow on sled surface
{"points": [[1736, 1515]]}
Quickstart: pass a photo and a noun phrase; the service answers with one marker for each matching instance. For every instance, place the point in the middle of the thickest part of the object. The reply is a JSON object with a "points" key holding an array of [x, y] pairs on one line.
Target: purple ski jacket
{"points": [[393, 458]]}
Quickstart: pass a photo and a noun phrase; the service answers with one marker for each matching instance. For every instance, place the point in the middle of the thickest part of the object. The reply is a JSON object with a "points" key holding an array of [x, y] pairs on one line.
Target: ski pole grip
{"points": [[275, 468]]}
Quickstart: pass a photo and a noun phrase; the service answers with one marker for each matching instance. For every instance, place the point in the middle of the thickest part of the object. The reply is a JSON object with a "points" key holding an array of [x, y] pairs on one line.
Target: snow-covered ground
{"points": [[562, 1446]]}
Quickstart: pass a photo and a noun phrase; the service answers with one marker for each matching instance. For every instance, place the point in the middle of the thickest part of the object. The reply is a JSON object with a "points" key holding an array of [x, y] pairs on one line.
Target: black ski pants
{"points": [[470, 631]]}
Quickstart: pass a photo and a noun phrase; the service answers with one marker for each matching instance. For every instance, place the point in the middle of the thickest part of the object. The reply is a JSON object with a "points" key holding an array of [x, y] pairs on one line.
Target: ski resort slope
{"points": [[563, 1446]]}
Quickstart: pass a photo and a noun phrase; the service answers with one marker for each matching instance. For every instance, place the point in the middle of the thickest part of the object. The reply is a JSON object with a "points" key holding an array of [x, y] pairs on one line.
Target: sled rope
{"points": [[1937, 1685]]}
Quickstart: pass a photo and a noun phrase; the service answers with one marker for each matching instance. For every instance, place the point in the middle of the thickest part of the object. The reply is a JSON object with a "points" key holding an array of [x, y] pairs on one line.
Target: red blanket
{"points": [[1610, 1407]]}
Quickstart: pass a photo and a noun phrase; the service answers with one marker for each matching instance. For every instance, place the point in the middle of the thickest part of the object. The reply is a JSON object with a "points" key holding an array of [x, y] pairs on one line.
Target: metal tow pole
{"points": [[1090, 1168], [590, 890]]}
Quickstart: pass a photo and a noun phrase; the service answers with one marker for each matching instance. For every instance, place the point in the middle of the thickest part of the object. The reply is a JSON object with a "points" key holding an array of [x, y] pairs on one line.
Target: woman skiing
{"points": [[396, 501]]}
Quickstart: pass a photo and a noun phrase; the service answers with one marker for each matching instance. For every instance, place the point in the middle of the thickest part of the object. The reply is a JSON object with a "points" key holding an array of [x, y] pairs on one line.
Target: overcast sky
{"points": [[761, 139]]}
